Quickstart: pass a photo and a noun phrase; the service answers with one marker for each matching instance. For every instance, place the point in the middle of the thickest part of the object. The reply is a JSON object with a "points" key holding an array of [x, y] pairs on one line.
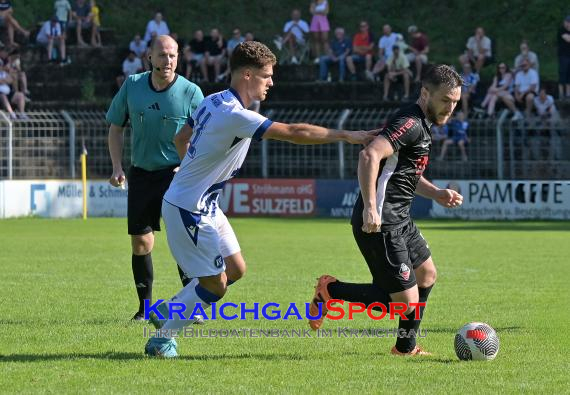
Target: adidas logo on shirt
{"points": [[154, 106]]}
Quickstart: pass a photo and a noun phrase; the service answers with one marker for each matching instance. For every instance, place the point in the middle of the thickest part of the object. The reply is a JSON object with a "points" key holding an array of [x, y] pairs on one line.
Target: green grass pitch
{"points": [[67, 294]]}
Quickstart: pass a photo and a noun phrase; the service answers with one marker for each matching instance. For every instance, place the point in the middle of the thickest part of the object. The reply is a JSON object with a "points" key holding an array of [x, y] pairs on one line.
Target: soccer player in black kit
{"points": [[390, 174]]}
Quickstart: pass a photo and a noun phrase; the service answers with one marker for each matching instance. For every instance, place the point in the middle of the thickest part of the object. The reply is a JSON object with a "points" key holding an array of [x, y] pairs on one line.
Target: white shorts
{"points": [[199, 243], [412, 57]]}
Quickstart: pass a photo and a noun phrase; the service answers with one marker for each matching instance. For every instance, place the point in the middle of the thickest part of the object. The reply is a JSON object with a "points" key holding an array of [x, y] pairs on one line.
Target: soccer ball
{"points": [[476, 341]]}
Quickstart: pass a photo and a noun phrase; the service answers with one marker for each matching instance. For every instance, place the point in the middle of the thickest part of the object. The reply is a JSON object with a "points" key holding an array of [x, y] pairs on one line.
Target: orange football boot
{"points": [[321, 296], [416, 351]]}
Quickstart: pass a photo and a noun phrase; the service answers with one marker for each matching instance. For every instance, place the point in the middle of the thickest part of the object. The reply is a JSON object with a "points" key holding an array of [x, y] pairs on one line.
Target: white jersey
{"points": [[222, 133]]}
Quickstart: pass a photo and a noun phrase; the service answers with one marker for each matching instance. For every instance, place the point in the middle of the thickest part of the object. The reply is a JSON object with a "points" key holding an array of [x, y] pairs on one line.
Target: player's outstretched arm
{"points": [[182, 140], [116, 142], [368, 167], [304, 133], [445, 197]]}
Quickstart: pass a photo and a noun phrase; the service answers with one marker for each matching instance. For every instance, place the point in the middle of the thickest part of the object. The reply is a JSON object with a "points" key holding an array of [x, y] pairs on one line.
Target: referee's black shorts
{"points": [[393, 255], [146, 189]]}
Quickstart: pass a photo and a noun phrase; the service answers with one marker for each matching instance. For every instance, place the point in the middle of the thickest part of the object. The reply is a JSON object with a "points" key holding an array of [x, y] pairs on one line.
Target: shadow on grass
{"points": [[126, 356], [511, 226]]}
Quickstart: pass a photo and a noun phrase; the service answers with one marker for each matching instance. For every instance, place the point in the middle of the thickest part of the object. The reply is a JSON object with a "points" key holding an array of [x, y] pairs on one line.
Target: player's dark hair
{"points": [[251, 54], [441, 75]]}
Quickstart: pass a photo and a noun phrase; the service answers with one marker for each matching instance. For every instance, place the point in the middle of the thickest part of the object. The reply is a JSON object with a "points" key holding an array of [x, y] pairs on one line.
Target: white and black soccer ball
{"points": [[476, 341]]}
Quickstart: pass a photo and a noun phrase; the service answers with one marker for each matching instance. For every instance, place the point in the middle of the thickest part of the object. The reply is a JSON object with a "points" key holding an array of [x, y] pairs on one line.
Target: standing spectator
{"points": [[337, 52], [294, 36], [215, 54], [385, 46], [526, 88], [469, 87], [17, 98], [7, 19], [320, 27], [501, 87], [564, 59], [82, 18], [49, 34], [527, 54], [457, 128], [131, 65], [478, 52], [156, 26], [398, 69], [62, 10], [96, 31], [419, 49], [362, 48]]}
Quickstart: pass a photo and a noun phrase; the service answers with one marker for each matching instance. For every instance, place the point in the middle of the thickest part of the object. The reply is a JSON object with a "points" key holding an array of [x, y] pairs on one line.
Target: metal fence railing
{"points": [[49, 144]]}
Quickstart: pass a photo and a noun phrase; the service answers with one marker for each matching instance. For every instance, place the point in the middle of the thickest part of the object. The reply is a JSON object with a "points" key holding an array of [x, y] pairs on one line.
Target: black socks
{"points": [[143, 275], [406, 341], [361, 293]]}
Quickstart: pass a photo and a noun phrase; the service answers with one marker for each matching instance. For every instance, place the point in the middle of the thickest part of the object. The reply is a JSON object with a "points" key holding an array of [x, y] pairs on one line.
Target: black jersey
{"points": [[409, 133]]}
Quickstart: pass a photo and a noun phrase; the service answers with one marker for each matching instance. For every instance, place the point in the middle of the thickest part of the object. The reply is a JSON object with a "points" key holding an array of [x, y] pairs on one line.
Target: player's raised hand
{"points": [[360, 137], [370, 220], [117, 178], [449, 198]]}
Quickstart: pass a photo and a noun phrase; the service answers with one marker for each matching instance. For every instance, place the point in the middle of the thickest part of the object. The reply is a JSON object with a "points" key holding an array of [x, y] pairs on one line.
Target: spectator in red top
{"points": [[362, 49], [419, 48]]}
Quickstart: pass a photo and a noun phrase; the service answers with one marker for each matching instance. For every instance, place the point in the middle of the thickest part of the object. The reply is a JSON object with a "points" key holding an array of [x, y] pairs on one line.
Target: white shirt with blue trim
{"points": [[222, 133]]}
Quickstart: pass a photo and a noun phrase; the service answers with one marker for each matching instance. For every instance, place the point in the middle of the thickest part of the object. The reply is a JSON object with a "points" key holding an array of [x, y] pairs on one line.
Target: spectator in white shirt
{"points": [[527, 54], [131, 65], [385, 45], [544, 105], [49, 34], [526, 88], [294, 36], [156, 26], [478, 51]]}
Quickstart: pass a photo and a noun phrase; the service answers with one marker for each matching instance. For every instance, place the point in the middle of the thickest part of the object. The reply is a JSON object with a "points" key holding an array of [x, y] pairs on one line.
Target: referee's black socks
{"points": [[143, 275], [406, 340]]}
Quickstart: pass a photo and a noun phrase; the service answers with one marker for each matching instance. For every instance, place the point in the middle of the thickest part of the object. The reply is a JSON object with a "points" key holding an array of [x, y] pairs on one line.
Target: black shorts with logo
{"points": [[146, 189], [393, 255]]}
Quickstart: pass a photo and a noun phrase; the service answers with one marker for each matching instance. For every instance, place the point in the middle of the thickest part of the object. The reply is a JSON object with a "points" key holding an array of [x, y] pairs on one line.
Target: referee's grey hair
{"points": [[441, 75]]}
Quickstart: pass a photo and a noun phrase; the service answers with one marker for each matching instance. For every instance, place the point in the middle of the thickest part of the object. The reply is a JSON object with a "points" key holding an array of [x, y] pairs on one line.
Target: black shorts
{"points": [[393, 255], [146, 189]]}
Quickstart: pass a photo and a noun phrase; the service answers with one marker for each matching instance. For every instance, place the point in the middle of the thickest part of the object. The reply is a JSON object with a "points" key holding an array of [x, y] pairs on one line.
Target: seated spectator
{"points": [[138, 46], [478, 52], [49, 34], [215, 55], [458, 135], [131, 65], [96, 18], [7, 20], [81, 19], [501, 87], [293, 39], [194, 53], [527, 54], [469, 88], [249, 36], [62, 10], [439, 133], [385, 45], [545, 107], [156, 26], [362, 50], [338, 50], [16, 98], [419, 48], [526, 88], [564, 59], [398, 70], [233, 42], [19, 77]]}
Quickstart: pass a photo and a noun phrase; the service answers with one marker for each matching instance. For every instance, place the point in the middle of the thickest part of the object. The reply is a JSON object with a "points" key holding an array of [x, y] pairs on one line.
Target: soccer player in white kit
{"points": [[213, 146]]}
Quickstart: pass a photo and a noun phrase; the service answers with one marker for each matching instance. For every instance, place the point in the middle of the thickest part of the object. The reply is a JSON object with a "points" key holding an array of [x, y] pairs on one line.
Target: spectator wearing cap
{"points": [[564, 59], [419, 49]]}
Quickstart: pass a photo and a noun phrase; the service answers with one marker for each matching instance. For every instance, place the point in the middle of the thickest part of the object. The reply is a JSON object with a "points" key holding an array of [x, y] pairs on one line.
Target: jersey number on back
{"points": [[201, 122]]}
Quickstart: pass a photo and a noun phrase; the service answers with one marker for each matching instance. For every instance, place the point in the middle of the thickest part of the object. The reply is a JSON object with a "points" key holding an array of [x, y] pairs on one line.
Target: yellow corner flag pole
{"points": [[84, 179]]}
